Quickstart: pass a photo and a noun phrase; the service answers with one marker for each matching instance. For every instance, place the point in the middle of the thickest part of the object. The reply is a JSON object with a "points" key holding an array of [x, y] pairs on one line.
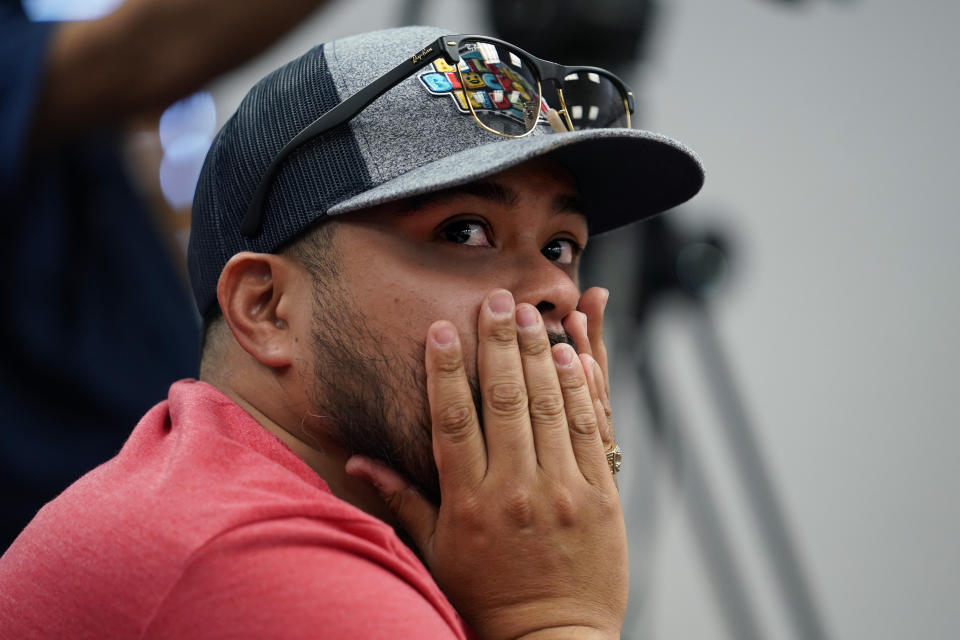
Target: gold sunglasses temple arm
{"points": [[563, 110]]}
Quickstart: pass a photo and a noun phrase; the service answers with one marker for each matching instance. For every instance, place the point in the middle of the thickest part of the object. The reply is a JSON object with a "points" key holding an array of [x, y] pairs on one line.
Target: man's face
{"points": [[405, 265]]}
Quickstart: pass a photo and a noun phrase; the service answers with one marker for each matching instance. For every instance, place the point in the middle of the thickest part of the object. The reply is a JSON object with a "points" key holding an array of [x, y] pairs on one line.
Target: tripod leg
{"points": [[712, 538], [757, 484]]}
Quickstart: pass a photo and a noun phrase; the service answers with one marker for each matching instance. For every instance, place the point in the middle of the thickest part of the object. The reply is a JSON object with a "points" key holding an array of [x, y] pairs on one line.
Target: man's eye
{"points": [[467, 232], [561, 251]]}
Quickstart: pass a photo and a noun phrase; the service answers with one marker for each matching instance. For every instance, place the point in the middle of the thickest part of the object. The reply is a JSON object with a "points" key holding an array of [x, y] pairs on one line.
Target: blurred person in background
{"points": [[96, 321]]}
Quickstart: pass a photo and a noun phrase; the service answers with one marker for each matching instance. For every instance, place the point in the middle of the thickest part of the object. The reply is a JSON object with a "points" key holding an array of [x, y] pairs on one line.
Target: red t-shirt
{"points": [[206, 525]]}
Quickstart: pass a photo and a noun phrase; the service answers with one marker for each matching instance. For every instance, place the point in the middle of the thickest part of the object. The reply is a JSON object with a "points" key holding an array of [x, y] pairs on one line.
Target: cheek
{"points": [[398, 311], [400, 297]]}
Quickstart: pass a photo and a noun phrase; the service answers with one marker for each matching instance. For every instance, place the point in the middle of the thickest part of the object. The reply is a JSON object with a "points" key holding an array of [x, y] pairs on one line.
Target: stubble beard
{"points": [[369, 394]]}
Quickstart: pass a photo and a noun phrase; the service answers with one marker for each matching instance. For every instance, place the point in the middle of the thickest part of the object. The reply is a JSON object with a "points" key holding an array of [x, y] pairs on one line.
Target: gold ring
{"points": [[614, 458]]}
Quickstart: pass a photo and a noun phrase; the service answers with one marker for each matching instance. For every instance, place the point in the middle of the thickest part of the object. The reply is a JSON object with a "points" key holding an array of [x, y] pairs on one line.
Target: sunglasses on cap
{"points": [[499, 84]]}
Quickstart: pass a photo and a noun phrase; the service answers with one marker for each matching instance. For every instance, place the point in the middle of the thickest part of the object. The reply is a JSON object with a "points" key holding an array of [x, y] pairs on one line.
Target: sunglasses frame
{"points": [[448, 48]]}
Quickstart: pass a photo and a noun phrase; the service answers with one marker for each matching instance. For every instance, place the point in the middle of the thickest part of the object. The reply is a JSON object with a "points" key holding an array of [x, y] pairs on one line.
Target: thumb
{"points": [[414, 512]]}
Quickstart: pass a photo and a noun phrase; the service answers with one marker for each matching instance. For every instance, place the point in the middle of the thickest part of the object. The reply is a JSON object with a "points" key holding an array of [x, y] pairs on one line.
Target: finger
{"points": [[595, 381], [506, 417], [575, 324], [458, 445], [593, 303], [547, 415], [412, 510], [605, 426], [581, 415], [578, 325]]}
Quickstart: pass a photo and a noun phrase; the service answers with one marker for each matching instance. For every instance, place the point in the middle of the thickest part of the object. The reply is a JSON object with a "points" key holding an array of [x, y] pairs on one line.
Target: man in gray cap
{"points": [[385, 246]]}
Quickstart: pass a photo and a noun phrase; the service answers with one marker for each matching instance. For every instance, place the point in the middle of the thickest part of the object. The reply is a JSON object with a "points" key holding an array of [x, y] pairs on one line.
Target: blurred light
{"points": [[186, 131], [194, 115], [180, 169], [59, 10]]}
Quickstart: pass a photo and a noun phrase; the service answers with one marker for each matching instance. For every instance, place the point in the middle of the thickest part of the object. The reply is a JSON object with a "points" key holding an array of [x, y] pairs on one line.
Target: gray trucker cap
{"points": [[408, 142]]}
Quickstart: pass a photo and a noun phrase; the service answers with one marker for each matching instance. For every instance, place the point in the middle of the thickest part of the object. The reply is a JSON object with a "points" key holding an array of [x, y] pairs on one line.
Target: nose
{"points": [[549, 288]]}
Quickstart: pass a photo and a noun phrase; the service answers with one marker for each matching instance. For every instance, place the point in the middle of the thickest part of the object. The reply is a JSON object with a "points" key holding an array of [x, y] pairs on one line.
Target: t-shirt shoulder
{"points": [[300, 576]]}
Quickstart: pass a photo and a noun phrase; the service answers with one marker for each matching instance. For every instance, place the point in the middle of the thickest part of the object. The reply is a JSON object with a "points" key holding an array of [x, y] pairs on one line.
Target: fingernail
{"points": [[526, 316], [355, 466], [501, 302], [563, 355], [606, 298], [444, 335]]}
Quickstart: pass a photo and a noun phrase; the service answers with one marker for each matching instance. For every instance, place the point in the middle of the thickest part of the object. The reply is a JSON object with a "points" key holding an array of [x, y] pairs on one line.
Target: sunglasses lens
{"points": [[501, 86], [594, 101]]}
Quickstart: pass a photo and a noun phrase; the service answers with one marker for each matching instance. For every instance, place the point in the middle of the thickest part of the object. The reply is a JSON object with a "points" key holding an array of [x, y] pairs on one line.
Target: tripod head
{"points": [[676, 261]]}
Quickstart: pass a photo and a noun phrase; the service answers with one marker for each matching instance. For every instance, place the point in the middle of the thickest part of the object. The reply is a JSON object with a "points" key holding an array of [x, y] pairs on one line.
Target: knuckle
{"points": [[564, 506], [534, 347], [607, 434], [467, 511], [573, 383], [502, 334], [455, 420], [506, 398], [518, 506], [602, 418], [583, 422], [450, 365], [548, 406]]}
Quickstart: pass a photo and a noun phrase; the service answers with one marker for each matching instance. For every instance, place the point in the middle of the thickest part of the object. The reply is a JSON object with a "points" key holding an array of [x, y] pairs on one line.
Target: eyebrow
{"points": [[487, 190]]}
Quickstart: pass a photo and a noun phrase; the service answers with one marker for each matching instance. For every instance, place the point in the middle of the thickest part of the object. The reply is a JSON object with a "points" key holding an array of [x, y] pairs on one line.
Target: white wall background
{"points": [[829, 133]]}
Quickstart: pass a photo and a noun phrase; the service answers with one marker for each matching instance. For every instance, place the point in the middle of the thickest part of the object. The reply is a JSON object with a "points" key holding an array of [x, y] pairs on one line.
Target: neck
{"points": [[315, 448]]}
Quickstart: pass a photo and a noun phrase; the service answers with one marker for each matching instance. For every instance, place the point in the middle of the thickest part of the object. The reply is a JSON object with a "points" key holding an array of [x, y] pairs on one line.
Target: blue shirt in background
{"points": [[96, 322]]}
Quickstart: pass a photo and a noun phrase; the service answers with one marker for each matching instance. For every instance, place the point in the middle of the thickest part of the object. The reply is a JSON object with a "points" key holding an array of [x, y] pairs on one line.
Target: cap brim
{"points": [[622, 175]]}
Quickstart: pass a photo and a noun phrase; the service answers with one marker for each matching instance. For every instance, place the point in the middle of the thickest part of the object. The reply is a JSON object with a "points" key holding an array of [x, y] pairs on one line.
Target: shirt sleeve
{"points": [[23, 54], [278, 582]]}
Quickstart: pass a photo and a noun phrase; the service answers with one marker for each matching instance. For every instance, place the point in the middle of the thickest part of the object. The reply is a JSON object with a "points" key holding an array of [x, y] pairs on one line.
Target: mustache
{"points": [[557, 337]]}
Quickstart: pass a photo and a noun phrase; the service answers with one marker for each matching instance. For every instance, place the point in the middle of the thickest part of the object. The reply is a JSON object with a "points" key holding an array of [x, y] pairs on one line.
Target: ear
{"points": [[257, 293]]}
